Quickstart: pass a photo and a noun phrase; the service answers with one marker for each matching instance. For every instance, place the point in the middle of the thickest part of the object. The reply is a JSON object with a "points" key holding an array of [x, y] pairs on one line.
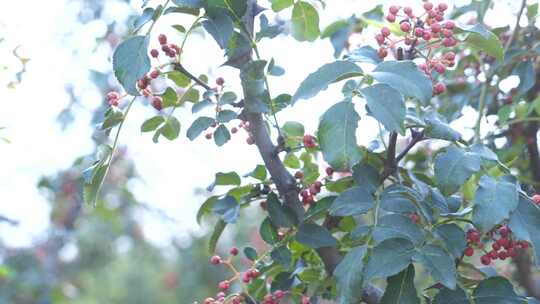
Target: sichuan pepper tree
{"points": [[444, 210]]}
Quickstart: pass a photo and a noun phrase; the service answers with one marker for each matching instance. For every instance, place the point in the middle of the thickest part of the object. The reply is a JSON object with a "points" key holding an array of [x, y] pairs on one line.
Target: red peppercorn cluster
{"points": [[113, 98], [308, 194], [274, 298], [423, 33], [504, 244], [169, 49]]}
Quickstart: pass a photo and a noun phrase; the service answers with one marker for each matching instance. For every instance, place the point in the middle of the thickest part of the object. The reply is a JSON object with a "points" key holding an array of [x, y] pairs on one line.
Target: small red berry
{"points": [[428, 6], [536, 199], [385, 31], [493, 254], [408, 11], [418, 32], [426, 36], [448, 42], [162, 39], [382, 53], [329, 171], [503, 255], [208, 136], [469, 251], [234, 130], [166, 49], [154, 74], [234, 251], [309, 141], [299, 175], [305, 299], [504, 231], [304, 193], [279, 294], [496, 246], [449, 25], [435, 28], [391, 18], [254, 273], [439, 18], [220, 81], [447, 33], [215, 260], [154, 53], [157, 103], [450, 56], [224, 285], [442, 7], [209, 301], [308, 200], [439, 68], [439, 88], [245, 277], [512, 253], [394, 9], [379, 38], [503, 242], [405, 26], [523, 244], [485, 259], [250, 140]]}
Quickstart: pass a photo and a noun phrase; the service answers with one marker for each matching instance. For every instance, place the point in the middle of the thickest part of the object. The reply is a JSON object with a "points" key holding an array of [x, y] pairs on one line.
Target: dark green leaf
{"points": [[225, 116], [280, 215], [305, 22], [259, 173], [143, 18], [238, 50], [216, 234], [439, 263], [366, 176], [206, 208], [221, 135], [525, 224], [388, 258], [228, 208], [227, 98], [179, 78], [527, 76], [324, 76], [169, 98], [268, 232], [113, 117], [282, 255], [201, 105], [386, 104], [448, 296], [131, 62], [225, 179], [364, 54], [199, 125], [337, 136], [267, 30], [220, 26], [454, 167], [397, 226], [319, 208], [399, 199], [314, 236], [453, 238], [493, 202], [496, 290], [250, 253], [171, 128], [437, 128], [405, 77], [236, 8], [282, 281], [354, 201], [349, 276], [400, 288]]}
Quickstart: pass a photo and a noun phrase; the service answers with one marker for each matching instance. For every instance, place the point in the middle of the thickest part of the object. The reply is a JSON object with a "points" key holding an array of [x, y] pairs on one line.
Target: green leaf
{"points": [[221, 135], [225, 179], [227, 98], [206, 208], [282, 255], [437, 128], [319, 209], [294, 133], [279, 5], [198, 126], [225, 116], [324, 76], [220, 26], [337, 136], [354, 201], [525, 224], [405, 77], [238, 50], [448, 296], [250, 253], [236, 8], [169, 98], [131, 62], [179, 28], [268, 232], [496, 290], [268, 31], [179, 78], [482, 39], [113, 117], [399, 199], [493, 202], [216, 234], [400, 288], [189, 3], [439, 264], [152, 123], [143, 18], [366, 176], [397, 226], [291, 161], [364, 54], [228, 208], [386, 104], [527, 76], [349, 276], [258, 173], [171, 128], [256, 96], [314, 236], [453, 238], [388, 258], [280, 215], [454, 167], [305, 22], [198, 106]]}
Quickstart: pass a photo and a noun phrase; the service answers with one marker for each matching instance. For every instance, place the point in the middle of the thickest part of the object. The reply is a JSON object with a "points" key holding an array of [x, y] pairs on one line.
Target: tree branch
{"points": [[285, 182], [179, 67]]}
